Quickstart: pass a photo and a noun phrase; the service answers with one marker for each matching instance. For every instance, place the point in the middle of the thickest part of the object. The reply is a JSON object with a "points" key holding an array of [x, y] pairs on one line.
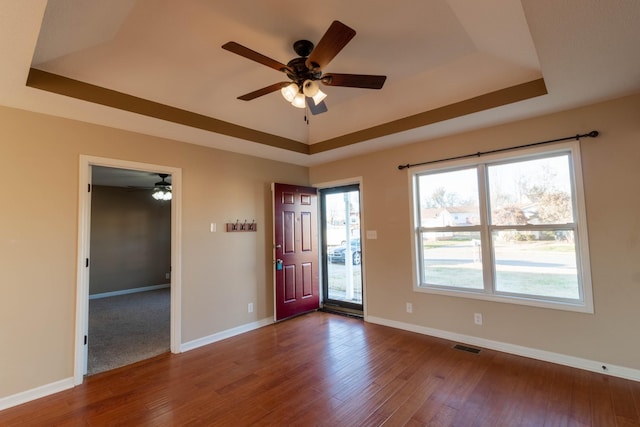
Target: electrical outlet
{"points": [[409, 307], [477, 318], [167, 275], [250, 307]]}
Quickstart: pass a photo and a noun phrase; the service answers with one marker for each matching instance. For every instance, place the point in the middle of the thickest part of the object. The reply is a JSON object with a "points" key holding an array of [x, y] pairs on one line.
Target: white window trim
{"points": [[582, 238]]}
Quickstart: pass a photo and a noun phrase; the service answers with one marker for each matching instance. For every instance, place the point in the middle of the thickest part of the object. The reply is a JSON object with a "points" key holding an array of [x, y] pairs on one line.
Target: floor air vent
{"points": [[465, 348]]}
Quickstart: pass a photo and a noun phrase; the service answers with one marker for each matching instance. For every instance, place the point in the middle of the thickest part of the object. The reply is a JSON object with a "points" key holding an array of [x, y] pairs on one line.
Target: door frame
{"points": [[341, 183], [84, 235]]}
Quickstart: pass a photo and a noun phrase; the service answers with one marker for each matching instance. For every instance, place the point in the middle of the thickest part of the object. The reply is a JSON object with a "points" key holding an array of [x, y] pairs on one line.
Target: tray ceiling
{"points": [[451, 66]]}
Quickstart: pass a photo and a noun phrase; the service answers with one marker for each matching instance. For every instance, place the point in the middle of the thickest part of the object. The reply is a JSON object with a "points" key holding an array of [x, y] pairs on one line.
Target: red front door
{"points": [[296, 250]]}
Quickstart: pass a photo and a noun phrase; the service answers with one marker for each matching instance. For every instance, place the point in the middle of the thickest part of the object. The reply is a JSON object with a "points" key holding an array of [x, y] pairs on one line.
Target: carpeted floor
{"points": [[128, 328]]}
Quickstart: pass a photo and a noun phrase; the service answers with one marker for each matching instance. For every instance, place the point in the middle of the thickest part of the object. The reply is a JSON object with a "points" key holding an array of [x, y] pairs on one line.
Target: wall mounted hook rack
{"points": [[242, 226]]}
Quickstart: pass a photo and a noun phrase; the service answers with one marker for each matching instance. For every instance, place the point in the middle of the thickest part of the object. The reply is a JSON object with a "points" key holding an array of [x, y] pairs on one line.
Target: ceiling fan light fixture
{"points": [[162, 189], [311, 89], [162, 193], [290, 91], [319, 97], [298, 101]]}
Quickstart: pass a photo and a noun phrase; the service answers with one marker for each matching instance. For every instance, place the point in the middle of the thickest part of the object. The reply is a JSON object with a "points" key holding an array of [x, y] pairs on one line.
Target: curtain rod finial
{"points": [[593, 133]]}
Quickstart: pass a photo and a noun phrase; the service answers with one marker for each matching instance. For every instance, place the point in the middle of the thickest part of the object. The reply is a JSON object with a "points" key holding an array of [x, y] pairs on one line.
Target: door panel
{"points": [[305, 225], [296, 250], [307, 280], [289, 278]]}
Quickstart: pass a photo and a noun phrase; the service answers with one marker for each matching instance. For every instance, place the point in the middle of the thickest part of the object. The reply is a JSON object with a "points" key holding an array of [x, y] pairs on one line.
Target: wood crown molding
{"points": [[87, 92]]}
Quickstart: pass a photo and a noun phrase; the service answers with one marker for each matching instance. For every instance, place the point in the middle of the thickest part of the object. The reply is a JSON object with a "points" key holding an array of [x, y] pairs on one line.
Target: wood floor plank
{"points": [[415, 384], [635, 392], [602, 411], [579, 408], [404, 413], [530, 394], [361, 409], [454, 369], [328, 370], [314, 412], [623, 401]]}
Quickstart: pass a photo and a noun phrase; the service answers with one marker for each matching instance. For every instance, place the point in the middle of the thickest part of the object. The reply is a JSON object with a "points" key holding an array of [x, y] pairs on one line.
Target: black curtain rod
{"points": [[592, 134]]}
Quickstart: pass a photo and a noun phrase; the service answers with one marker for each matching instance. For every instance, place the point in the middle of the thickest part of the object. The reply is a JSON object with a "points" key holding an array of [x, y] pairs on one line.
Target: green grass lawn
{"points": [[544, 246], [524, 283], [542, 281], [545, 284]]}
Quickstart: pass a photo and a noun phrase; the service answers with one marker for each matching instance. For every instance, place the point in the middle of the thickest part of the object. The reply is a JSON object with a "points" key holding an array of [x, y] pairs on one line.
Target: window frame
{"points": [[583, 304]]}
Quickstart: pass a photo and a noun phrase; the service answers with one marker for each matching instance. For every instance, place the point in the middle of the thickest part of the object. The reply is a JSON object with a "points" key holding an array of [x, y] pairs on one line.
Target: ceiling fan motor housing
{"points": [[298, 70], [303, 47], [162, 183]]}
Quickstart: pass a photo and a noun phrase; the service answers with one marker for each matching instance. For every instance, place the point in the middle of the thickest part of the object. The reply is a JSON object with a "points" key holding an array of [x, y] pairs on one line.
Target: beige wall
{"points": [[222, 272], [611, 175], [130, 239]]}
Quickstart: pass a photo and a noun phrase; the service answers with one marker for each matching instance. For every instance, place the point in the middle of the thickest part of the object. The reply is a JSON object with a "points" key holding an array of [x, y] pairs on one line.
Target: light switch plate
{"points": [[372, 234]]}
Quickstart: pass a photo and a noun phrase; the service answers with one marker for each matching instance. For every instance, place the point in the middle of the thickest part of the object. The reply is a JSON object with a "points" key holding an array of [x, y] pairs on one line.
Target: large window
{"points": [[505, 228]]}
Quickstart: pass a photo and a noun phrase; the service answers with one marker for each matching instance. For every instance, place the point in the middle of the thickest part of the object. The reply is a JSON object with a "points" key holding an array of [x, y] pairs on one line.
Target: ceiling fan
{"points": [[161, 190], [307, 69]]}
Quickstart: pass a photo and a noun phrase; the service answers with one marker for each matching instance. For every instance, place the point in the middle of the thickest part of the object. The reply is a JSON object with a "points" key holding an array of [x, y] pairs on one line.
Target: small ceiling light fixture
{"points": [[290, 91], [312, 90], [162, 189], [296, 94], [298, 101]]}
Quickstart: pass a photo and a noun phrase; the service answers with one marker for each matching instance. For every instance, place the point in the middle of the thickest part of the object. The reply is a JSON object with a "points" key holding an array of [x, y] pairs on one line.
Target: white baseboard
{"points": [[129, 291], [225, 334], [547, 356], [35, 393]]}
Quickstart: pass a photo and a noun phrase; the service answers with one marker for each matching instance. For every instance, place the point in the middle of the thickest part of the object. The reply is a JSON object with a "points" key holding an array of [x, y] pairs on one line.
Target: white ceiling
{"points": [[435, 53], [116, 177]]}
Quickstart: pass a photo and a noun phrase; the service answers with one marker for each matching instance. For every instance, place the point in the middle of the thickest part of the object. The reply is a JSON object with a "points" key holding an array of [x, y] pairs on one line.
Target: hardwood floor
{"points": [[325, 369]]}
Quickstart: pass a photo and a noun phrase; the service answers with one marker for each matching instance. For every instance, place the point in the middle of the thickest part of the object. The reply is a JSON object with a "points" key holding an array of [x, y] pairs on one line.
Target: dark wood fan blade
{"points": [[316, 108], [364, 81], [336, 38], [264, 91], [238, 49]]}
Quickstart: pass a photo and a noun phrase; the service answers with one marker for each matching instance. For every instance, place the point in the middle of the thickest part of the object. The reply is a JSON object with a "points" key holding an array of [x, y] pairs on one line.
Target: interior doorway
{"points": [[342, 249], [130, 267], [87, 164]]}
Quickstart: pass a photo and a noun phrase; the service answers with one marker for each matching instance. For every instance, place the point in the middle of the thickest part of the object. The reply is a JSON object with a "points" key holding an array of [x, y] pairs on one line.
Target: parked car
{"points": [[337, 255]]}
